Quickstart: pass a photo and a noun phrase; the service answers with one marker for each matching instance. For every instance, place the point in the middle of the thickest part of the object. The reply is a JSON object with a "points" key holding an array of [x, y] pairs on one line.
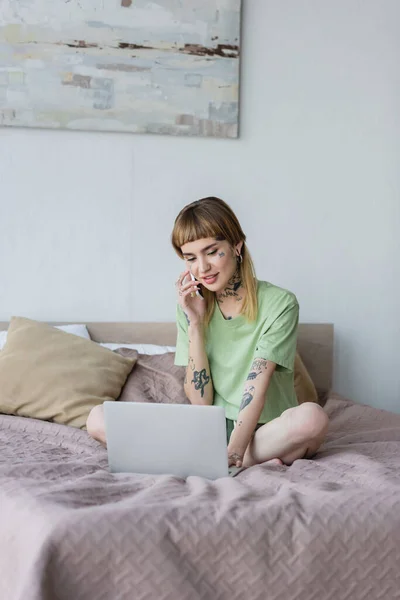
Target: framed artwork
{"points": [[167, 67]]}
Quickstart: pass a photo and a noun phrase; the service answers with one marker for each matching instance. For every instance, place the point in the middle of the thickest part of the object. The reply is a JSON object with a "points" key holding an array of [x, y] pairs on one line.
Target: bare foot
{"points": [[248, 460], [274, 462]]}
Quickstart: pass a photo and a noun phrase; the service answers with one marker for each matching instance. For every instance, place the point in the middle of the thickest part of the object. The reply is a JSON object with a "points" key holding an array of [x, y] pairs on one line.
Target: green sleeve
{"points": [[182, 340], [278, 343]]}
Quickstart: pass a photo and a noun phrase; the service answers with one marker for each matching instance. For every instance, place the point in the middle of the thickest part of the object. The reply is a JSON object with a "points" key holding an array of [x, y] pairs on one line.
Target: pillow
{"points": [[80, 330], [141, 348], [155, 378], [303, 384], [48, 374]]}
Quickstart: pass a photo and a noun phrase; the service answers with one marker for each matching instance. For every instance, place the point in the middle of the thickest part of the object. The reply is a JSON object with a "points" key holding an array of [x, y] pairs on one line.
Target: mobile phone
{"points": [[193, 278]]}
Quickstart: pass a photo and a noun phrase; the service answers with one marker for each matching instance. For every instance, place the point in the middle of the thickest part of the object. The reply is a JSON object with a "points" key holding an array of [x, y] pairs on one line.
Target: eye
{"points": [[208, 254]]}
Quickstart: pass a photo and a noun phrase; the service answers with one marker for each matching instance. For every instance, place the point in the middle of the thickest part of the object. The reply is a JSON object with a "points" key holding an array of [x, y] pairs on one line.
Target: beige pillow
{"points": [[48, 374], [303, 384], [155, 378]]}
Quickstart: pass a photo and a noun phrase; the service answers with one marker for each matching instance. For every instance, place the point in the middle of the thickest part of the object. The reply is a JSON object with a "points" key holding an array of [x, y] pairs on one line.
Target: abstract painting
{"points": [[168, 67]]}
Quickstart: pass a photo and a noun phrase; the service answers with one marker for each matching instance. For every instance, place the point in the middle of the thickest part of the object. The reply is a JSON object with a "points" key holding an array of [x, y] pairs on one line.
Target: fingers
{"points": [[190, 292], [181, 277], [235, 460], [190, 286], [182, 288]]}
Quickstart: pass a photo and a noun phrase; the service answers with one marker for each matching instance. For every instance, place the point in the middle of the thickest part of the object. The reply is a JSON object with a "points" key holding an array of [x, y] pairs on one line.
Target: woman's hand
{"points": [[235, 457], [192, 305]]}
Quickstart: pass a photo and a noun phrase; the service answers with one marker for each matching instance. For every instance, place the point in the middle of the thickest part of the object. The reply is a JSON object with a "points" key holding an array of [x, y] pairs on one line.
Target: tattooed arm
{"points": [[252, 404], [198, 385]]}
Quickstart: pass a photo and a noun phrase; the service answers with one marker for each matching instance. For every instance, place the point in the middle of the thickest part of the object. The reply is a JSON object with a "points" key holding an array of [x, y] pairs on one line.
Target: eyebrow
{"points": [[204, 249]]}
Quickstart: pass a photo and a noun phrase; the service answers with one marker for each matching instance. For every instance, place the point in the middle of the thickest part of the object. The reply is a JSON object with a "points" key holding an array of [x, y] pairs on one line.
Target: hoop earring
{"points": [[240, 258]]}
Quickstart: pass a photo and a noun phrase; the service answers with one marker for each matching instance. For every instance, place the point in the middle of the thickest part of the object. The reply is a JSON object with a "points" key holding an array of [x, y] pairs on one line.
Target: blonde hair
{"points": [[213, 218]]}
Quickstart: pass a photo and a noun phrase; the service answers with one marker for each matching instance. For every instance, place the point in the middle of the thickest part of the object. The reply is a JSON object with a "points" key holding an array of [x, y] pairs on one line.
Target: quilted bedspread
{"points": [[327, 528]]}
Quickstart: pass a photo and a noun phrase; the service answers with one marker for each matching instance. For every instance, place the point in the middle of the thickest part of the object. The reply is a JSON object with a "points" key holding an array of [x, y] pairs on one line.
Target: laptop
{"points": [[173, 439]]}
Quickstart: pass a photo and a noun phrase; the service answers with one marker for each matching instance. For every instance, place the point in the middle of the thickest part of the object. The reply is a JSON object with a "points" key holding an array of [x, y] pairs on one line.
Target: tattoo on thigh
{"points": [[247, 397], [200, 380]]}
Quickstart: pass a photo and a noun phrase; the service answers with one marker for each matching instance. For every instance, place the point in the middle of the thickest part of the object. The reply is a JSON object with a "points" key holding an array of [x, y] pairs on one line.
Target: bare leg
{"points": [[95, 424], [297, 433]]}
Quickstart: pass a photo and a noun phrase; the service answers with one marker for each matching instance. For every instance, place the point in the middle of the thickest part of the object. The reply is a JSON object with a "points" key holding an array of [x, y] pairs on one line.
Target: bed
{"points": [[323, 529]]}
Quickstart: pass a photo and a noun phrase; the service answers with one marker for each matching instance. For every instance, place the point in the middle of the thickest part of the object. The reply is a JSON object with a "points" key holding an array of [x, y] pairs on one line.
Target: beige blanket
{"points": [[326, 529]]}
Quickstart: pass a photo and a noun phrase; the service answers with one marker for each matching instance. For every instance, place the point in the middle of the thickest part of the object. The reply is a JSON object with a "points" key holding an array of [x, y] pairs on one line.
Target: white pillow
{"points": [[142, 348], [79, 330]]}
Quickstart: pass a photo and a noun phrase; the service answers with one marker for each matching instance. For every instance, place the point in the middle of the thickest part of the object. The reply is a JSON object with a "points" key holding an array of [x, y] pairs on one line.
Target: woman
{"points": [[238, 341]]}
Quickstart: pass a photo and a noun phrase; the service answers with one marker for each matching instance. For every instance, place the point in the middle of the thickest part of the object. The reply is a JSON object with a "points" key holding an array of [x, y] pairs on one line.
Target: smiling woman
{"points": [[238, 340], [208, 235]]}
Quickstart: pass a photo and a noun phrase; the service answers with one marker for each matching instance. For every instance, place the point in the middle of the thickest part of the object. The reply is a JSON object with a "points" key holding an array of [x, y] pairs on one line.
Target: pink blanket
{"points": [[326, 529]]}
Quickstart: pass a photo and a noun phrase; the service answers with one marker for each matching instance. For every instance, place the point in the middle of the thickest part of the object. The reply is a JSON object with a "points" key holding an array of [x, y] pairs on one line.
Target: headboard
{"points": [[315, 343]]}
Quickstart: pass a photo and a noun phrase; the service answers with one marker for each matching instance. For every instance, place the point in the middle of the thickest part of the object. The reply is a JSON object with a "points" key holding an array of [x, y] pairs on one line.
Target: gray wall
{"points": [[86, 218]]}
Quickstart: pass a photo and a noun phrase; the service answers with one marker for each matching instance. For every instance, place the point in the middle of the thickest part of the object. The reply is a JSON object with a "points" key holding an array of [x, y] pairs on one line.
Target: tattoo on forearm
{"points": [[247, 397], [187, 318], [258, 366], [200, 380], [191, 363]]}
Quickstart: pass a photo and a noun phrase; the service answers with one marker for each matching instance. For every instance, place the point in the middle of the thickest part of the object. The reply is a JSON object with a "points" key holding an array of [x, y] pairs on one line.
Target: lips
{"points": [[210, 278]]}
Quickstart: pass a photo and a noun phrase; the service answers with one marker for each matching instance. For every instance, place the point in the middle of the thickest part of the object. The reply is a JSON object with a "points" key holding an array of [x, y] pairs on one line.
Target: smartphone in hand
{"points": [[193, 278]]}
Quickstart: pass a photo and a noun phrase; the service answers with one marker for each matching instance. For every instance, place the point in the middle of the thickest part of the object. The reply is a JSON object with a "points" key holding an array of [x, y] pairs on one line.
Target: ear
{"points": [[238, 248]]}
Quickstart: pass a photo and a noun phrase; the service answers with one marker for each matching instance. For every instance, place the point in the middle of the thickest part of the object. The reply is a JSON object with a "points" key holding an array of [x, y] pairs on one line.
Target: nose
{"points": [[204, 266]]}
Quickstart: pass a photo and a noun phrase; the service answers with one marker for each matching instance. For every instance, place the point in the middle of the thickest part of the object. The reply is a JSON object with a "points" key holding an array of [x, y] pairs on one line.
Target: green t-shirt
{"points": [[233, 344]]}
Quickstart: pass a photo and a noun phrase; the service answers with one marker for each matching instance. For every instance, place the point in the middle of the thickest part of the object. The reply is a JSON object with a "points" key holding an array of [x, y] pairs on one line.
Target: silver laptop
{"points": [[174, 439]]}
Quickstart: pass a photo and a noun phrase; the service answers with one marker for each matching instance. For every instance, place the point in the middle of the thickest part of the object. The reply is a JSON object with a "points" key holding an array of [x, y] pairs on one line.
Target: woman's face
{"points": [[212, 262]]}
